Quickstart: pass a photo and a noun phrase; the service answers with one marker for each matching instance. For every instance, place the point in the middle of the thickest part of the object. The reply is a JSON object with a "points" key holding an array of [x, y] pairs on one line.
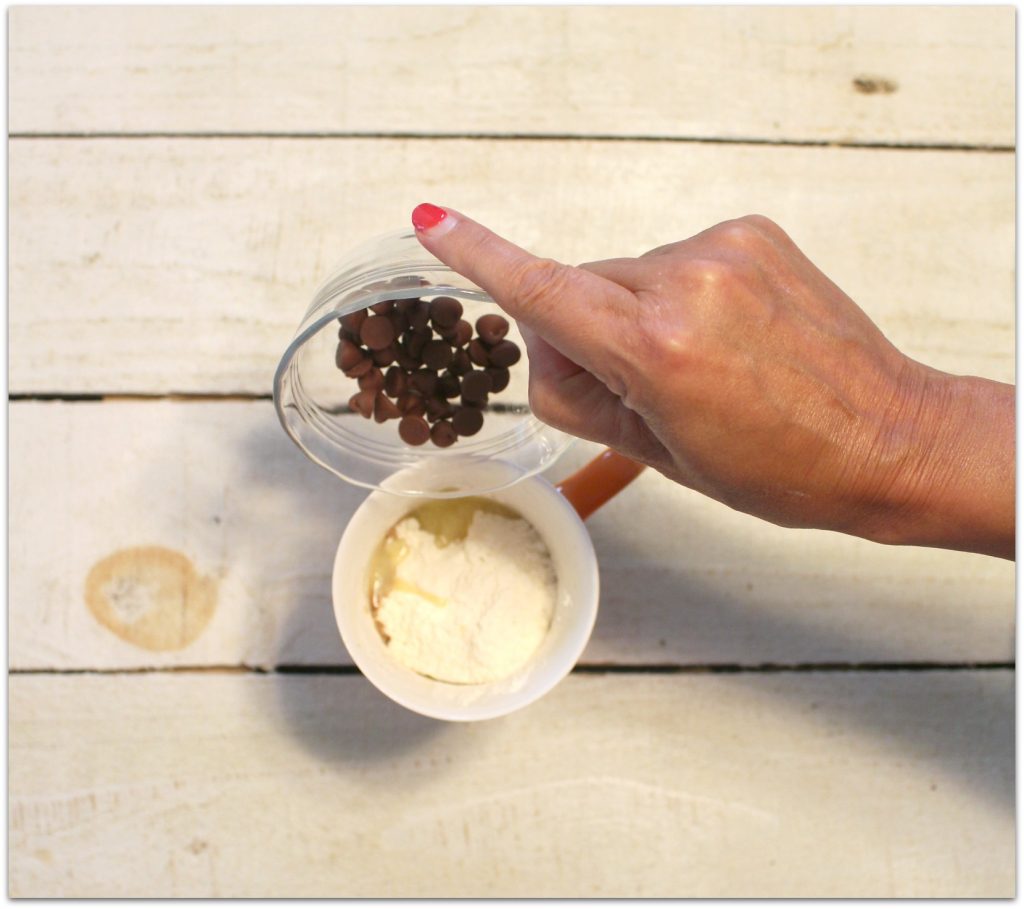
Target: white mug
{"points": [[557, 513]]}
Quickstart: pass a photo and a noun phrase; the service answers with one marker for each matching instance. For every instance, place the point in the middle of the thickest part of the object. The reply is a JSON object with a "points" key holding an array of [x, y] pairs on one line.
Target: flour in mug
{"points": [[463, 590]]}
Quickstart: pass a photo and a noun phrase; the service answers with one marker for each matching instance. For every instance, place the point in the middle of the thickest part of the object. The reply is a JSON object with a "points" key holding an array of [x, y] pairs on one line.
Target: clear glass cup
{"points": [[311, 394]]}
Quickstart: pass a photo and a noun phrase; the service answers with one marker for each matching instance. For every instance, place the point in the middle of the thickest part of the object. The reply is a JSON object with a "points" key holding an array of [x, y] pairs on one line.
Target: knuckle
{"points": [[762, 235], [664, 347], [763, 223], [675, 351], [711, 275], [540, 281], [742, 234]]}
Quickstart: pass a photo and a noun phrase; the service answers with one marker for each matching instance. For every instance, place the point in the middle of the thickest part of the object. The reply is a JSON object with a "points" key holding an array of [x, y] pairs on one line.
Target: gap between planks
{"points": [[532, 137], [93, 397], [588, 669], [194, 398]]}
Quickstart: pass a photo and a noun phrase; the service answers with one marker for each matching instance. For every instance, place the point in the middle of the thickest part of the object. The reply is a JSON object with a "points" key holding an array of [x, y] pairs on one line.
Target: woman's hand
{"points": [[732, 365]]}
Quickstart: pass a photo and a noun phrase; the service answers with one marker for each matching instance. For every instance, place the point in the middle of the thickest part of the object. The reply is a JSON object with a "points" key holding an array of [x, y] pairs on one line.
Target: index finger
{"points": [[570, 307]]}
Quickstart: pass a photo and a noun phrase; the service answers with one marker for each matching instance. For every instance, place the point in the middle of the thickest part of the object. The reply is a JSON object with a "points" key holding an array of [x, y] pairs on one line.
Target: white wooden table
{"points": [[760, 711]]}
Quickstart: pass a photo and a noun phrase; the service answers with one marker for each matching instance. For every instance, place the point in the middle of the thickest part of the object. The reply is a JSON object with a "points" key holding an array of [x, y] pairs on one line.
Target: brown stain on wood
{"points": [[875, 85], [150, 596]]}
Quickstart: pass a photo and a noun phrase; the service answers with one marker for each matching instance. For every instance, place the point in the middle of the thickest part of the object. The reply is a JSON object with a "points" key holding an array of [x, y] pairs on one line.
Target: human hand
{"points": [[732, 365]]}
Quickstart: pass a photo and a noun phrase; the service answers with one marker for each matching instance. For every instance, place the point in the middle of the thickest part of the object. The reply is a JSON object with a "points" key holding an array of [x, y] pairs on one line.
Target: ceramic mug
{"points": [[557, 513]]}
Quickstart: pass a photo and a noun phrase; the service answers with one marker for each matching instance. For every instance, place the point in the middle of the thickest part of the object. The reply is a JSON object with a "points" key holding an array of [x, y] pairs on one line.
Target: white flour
{"points": [[472, 611]]}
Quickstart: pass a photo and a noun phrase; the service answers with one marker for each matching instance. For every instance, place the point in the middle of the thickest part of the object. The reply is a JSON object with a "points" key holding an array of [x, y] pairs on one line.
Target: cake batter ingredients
{"points": [[463, 590]]}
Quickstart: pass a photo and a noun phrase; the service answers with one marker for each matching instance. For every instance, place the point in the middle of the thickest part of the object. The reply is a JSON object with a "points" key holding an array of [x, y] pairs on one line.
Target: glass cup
{"points": [[311, 395]]}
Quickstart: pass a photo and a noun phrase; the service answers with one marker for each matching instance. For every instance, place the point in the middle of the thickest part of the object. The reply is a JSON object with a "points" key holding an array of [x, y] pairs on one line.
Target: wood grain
{"points": [[161, 265], [157, 535], [684, 580], [824, 785], [834, 74]]}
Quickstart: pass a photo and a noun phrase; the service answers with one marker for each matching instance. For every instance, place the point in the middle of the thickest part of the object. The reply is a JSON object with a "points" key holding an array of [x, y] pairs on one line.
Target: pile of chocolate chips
{"points": [[420, 363]]}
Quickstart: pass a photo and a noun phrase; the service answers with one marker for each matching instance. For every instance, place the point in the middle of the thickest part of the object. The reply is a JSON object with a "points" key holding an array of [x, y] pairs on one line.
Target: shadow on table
{"points": [[322, 700], [973, 743], [337, 714], [349, 721]]}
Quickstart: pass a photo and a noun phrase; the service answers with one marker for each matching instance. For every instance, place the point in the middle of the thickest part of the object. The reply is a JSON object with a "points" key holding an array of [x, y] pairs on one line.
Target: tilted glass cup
{"points": [[311, 394]]}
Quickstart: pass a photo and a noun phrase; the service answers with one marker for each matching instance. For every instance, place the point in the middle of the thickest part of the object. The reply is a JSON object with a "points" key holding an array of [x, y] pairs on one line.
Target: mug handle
{"points": [[596, 482]]}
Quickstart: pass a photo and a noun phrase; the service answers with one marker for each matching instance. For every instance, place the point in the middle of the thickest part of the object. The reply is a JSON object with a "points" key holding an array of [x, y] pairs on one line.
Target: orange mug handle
{"points": [[595, 483]]}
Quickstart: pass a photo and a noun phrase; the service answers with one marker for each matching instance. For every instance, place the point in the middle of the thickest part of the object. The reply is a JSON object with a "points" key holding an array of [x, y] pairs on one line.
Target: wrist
{"points": [[954, 484]]}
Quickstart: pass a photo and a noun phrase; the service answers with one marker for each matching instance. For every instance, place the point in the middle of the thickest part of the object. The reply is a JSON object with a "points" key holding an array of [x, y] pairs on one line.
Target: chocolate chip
{"points": [[445, 312], [362, 403], [449, 386], [384, 408], [377, 332], [461, 364], [347, 355], [360, 369], [419, 316], [443, 434], [478, 353], [414, 430], [492, 328], [476, 386], [373, 380], [407, 362], [437, 354], [384, 357], [420, 363], [468, 421], [424, 381], [463, 333], [399, 321], [499, 378], [396, 381], [438, 409], [353, 321], [414, 342], [412, 404], [504, 353]]}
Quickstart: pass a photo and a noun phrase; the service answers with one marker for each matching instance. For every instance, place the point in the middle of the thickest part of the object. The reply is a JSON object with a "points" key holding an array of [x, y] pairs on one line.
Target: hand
{"points": [[732, 365]]}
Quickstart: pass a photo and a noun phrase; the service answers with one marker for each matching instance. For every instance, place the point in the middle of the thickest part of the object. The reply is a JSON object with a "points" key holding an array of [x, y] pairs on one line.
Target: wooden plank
{"points": [[185, 265], [824, 785], [837, 74], [684, 579]]}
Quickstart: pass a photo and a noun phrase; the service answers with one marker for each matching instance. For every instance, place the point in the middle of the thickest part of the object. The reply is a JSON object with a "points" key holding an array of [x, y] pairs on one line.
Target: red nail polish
{"points": [[426, 216]]}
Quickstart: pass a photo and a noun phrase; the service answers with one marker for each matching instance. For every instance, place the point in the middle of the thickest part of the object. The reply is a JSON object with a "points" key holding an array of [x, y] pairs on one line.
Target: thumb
{"points": [[570, 307]]}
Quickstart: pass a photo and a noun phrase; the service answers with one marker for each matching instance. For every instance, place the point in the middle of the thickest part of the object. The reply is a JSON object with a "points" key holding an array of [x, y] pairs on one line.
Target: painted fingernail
{"points": [[426, 216]]}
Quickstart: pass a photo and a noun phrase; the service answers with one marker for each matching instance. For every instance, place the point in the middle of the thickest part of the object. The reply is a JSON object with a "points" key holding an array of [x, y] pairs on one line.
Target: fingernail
{"points": [[426, 216]]}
